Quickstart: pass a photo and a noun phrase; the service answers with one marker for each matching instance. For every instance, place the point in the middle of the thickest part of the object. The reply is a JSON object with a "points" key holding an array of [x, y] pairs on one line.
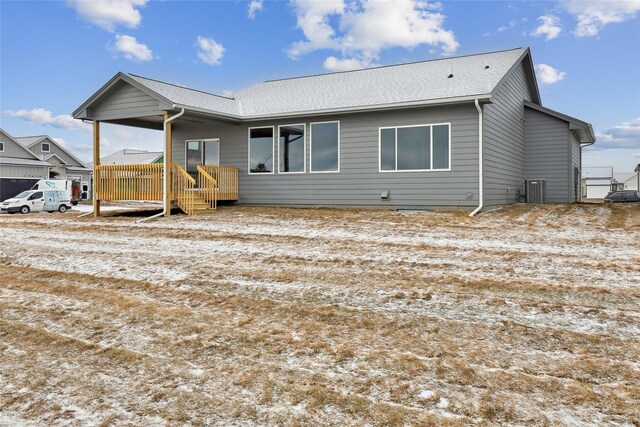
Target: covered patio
{"points": [[194, 185]]}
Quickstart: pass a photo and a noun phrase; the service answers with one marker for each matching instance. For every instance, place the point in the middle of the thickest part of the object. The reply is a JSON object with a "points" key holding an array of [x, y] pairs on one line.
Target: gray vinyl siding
{"points": [[53, 149], [24, 171], [125, 101], [548, 154], [13, 149], [504, 148], [359, 182], [576, 162]]}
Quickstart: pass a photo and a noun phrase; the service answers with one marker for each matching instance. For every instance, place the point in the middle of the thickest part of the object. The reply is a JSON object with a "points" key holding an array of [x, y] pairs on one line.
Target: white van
{"points": [[70, 185], [38, 201]]}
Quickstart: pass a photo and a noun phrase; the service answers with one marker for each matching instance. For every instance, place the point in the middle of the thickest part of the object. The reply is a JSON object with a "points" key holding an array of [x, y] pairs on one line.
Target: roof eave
{"points": [[484, 98], [586, 130], [120, 76], [530, 74]]}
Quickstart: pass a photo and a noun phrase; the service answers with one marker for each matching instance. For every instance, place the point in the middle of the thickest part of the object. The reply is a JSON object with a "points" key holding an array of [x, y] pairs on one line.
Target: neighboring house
{"points": [[25, 160], [129, 156], [65, 164], [598, 181], [462, 132], [633, 182], [20, 168]]}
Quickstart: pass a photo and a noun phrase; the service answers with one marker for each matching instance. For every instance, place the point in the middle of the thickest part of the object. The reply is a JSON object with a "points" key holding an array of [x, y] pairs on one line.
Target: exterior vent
{"points": [[536, 190]]}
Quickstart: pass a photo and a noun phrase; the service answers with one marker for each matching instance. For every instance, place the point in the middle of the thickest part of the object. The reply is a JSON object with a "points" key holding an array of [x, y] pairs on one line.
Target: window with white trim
{"points": [[261, 149], [325, 146], [291, 149], [415, 148], [1, 147], [45, 147]]}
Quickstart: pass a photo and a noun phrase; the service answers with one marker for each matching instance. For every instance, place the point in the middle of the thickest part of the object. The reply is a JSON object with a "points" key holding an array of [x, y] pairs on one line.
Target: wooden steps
{"points": [[199, 204]]}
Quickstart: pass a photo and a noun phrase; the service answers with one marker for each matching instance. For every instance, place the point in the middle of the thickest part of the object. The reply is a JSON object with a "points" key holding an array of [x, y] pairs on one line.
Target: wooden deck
{"points": [[144, 182]]}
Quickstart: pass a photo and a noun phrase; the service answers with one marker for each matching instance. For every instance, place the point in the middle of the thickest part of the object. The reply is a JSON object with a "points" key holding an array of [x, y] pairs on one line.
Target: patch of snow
{"points": [[443, 403], [426, 394]]}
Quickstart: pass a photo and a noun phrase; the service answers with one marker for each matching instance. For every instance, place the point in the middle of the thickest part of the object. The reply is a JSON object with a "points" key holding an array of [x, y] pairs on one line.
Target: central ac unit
{"points": [[536, 190]]}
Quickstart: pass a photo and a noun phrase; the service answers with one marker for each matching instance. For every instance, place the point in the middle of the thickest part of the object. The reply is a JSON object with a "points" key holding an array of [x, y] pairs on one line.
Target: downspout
{"points": [[581, 147], [165, 181], [480, 155]]}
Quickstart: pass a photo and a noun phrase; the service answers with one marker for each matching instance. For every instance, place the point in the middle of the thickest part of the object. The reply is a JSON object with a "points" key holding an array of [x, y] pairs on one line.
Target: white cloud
{"points": [[549, 75], [625, 135], [132, 49], [254, 6], [361, 29], [45, 117], [550, 27], [228, 93], [512, 24], [509, 26], [334, 64], [123, 133], [593, 16], [210, 51], [109, 14]]}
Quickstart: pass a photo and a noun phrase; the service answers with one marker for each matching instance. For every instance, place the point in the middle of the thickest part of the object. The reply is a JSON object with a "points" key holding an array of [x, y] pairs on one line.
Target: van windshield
{"points": [[23, 194]]}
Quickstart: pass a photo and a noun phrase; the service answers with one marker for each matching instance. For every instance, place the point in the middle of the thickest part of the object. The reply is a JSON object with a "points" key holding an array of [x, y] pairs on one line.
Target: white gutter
{"points": [[165, 181], [330, 111], [480, 152]]}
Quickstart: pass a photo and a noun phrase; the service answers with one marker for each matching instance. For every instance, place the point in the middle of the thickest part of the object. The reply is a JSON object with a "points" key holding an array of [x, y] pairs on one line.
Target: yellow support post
{"points": [[96, 173]]}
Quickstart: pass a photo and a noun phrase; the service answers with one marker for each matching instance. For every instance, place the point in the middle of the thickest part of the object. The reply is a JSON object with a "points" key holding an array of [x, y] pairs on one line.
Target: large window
{"points": [[291, 149], [261, 150], [415, 148], [325, 147]]}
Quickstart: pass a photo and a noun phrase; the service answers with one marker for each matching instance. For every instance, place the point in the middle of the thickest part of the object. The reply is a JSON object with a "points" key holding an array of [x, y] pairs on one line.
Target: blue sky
{"points": [[55, 54]]}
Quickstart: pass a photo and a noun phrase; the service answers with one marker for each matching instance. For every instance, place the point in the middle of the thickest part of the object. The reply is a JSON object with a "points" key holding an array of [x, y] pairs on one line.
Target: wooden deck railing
{"points": [[207, 188], [182, 188], [227, 179], [128, 182], [144, 182]]}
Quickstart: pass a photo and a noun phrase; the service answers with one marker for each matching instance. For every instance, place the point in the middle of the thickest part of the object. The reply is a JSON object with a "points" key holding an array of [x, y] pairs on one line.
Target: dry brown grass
{"points": [[396, 320]]}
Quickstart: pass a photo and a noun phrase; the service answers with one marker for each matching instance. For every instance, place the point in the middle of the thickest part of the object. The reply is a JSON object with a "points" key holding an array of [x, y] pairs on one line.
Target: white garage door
{"points": [[597, 191]]}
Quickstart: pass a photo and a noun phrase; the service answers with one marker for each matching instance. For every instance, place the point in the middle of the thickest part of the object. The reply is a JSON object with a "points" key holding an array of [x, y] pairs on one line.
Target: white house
{"points": [[597, 181], [633, 182]]}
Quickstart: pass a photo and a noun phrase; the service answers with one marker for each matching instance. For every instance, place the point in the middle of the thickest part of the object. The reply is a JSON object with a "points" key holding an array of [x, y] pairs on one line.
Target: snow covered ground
{"points": [[254, 316]]}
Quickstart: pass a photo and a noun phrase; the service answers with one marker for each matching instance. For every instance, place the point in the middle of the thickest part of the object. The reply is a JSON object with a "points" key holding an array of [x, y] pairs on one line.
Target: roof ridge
{"points": [[390, 65], [182, 87]]}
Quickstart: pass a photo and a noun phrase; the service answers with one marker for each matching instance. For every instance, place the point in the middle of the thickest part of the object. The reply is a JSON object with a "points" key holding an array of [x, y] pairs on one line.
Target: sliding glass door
{"points": [[202, 152]]}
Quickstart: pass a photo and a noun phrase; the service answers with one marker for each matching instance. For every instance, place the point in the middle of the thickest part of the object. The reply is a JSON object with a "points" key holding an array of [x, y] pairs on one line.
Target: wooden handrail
{"points": [[145, 182], [227, 180], [182, 188], [207, 187], [128, 182]]}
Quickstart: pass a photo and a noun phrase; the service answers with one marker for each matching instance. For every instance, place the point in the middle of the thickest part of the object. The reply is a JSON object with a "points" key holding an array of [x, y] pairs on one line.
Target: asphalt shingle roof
{"points": [[420, 81], [130, 157], [27, 141]]}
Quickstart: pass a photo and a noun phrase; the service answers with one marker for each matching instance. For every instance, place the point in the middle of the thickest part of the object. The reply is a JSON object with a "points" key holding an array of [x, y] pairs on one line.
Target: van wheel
{"points": [[25, 210], [62, 209], [74, 203]]}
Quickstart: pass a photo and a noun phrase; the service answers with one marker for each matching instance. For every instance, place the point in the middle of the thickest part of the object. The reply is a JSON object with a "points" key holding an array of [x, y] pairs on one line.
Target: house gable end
{"points": [[522, 66], [13, 148], [122, 98]]}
